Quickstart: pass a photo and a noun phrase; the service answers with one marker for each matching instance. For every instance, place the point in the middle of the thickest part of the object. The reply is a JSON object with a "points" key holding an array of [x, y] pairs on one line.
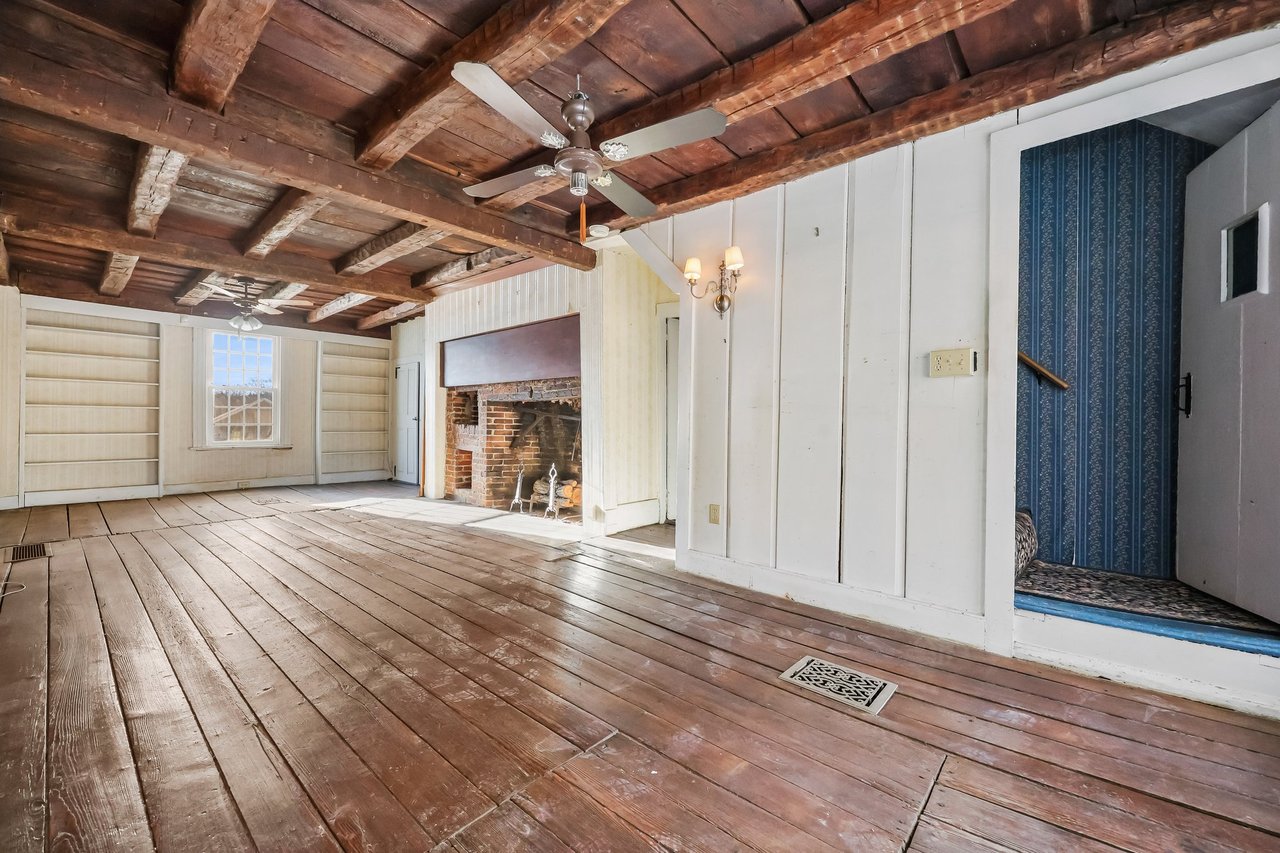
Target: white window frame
{"points": [[203, 394]]}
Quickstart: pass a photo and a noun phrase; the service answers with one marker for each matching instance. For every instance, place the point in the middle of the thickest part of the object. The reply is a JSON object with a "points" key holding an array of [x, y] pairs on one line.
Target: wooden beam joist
{"points": [[154, 178], [389, 315], [465, 267], [396, 243], [520, 38], [69, 230], [283, 290], [854, 37], [116, 274], [45, 86], [1118, 49], [337, 306], [214, 46], [290, 212]]}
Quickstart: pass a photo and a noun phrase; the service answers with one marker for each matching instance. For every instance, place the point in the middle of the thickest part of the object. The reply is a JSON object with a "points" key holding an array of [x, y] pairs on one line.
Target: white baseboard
{"points": [[354, 477], [632, 515], [84, 496], [967, 628], [10, 502], [231, 485], [1233, 679]]}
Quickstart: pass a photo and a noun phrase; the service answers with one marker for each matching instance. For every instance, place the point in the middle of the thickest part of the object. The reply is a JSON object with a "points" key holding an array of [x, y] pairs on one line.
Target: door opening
{"points": [[408, 424]]}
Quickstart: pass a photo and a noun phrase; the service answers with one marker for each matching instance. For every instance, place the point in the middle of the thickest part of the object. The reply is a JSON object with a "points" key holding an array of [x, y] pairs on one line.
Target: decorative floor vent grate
{"points": [[27, 552], [840, 683]]}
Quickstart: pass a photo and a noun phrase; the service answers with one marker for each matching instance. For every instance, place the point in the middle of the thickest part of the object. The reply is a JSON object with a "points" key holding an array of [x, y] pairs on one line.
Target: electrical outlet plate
{"points": [[953, 362], [713, 513], [243, 484]]}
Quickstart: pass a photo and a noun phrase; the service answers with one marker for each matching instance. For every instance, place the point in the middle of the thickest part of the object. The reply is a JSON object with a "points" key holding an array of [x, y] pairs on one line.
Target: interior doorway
{"points": [[408, 422], [671, 329], [1136, 479]]}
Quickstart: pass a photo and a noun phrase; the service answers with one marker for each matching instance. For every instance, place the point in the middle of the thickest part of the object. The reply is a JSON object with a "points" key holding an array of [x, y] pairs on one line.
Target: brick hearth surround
{"points": [[481, 420]]}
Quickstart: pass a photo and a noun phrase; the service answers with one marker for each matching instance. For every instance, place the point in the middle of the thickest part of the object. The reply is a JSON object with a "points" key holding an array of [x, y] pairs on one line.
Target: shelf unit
{"points": [[91, 402], [354, 417]]}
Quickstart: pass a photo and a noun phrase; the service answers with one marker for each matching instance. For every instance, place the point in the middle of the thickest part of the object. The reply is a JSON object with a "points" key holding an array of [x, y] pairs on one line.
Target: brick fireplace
{"points": [[493, 430]]}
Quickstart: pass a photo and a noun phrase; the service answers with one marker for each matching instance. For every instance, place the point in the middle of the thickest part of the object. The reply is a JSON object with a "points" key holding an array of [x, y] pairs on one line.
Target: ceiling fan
{"points": [[575, 157], [250, 304]]}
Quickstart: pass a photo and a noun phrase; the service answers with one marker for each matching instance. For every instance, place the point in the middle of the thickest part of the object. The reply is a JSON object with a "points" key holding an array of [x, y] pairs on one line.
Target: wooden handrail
{"points": [[1042, 371]]}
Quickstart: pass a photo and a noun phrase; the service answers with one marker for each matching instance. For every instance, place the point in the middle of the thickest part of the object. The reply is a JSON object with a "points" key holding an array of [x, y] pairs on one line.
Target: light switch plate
{"points": [[953, 362], [713, 513]]}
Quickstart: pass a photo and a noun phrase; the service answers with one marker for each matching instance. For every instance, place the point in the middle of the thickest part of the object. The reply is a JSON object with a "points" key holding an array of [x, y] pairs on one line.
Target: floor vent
{"points": [[840, 683], [27, 552]]}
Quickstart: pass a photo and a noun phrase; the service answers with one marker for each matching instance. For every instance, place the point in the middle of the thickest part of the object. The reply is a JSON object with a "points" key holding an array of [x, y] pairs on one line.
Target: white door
{"points": [[673, 398], [408, 405], [1229, 349]]}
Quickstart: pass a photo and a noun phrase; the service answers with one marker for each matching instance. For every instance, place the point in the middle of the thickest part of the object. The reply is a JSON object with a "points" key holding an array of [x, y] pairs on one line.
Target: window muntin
{"points": [[243, 389]]}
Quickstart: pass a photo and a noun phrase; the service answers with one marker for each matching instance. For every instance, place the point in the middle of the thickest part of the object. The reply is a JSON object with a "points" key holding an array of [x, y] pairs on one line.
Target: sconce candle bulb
{"points": [[725, 287]]}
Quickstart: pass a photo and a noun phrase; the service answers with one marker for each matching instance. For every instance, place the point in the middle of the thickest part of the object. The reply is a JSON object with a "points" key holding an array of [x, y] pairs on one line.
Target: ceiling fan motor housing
{"points": [[578, 162]]}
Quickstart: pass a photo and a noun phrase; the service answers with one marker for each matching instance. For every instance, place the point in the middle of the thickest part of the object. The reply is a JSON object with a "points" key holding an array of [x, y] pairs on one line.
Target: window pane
{"points": [[220, 433], [265, 344], [233, 343], [250, 344]]}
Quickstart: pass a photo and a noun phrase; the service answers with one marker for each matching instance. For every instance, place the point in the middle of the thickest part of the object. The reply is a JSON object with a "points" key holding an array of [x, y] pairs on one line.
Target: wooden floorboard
{"points": [[348, 667]]}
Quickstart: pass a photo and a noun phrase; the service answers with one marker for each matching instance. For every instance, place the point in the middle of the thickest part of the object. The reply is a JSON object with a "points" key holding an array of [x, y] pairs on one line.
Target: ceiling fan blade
{"points": [[693, 127], [504, 183], [222, 291], [486, 85], [286, 303], [266, 309], [626, 197]]}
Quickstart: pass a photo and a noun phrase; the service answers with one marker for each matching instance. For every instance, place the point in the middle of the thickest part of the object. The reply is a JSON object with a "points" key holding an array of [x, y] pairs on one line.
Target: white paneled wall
{"points": [[91, 408], [354, 417], [10, 393]]}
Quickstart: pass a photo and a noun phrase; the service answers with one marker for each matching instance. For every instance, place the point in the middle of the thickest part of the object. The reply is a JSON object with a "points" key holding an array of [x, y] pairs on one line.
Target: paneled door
{"points": [[408, 438]]}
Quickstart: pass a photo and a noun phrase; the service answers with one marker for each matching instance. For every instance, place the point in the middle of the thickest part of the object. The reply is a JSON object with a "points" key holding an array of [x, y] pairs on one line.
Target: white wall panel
{"points": [[946, 450], [356, 417], [753, 368], [705, 234], [10, 390], [875, 441], [811, 375]]}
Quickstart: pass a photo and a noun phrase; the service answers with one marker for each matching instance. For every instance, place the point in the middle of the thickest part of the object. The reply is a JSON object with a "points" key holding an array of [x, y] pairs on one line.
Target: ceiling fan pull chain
{"points": [[582, 220]]}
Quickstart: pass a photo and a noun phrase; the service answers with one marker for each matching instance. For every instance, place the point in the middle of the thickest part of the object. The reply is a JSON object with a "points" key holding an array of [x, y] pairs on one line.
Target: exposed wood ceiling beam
{"points": [[465, 267], [289, 212], [337, 306], [196, 290], [41, 284], [1139, 42], [516, 267], [47, 87], [70, 230], [404, 240], [116, 273], [389, 315], [283, 290], [854, 37], [154, 178], [520, 38], [214, 46]]}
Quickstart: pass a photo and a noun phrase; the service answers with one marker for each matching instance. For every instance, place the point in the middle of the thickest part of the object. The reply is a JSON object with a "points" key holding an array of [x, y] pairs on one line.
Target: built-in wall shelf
{"points": [[354, 417]]}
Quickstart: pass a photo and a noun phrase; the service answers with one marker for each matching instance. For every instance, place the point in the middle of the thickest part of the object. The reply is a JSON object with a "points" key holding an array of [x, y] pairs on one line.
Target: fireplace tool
{"points": [[518, 502], [553, 505]]}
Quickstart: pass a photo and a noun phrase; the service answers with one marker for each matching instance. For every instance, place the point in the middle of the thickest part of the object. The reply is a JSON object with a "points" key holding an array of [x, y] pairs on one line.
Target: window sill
{"points": [[242, 447]]}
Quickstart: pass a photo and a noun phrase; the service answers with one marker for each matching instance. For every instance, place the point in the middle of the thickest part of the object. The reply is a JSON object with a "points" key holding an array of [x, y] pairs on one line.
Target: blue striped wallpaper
{"points": [[1100, 302]]}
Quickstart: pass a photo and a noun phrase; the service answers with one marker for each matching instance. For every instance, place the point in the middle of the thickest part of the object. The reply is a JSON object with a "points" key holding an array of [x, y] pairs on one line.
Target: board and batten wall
{"points": [[845, 476], [622, 374], [99, 406]]}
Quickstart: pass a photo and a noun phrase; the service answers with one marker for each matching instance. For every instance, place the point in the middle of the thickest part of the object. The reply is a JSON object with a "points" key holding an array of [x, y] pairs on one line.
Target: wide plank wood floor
{"points": [[350, 668]]}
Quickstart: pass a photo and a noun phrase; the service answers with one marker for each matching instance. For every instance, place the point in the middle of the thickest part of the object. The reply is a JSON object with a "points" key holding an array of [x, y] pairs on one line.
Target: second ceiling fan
{"points": [[576, 158]]}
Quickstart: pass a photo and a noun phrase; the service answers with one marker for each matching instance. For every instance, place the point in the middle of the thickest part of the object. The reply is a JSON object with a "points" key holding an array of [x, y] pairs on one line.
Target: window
{"points": [[1242, 257], [243, 389]]}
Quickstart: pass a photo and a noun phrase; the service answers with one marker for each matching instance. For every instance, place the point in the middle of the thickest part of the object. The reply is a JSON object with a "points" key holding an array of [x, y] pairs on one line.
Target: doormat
{"points": [[1167, 598], [840, 683]]}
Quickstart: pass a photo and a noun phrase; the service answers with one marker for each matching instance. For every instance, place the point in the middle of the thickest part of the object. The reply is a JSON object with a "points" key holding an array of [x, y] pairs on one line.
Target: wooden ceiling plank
{"points": [[465, 267], [337, 306], [154, 179], [389, 315], [47, 87], [116, 274], [214, 46], [403, 240], [856, 36], [67, 231], [520, 38], [290, 212], [1118, 49]]}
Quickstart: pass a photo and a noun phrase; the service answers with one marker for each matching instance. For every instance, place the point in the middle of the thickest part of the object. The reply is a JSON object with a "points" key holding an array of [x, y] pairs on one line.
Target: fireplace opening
{"points": [[523, 438]]}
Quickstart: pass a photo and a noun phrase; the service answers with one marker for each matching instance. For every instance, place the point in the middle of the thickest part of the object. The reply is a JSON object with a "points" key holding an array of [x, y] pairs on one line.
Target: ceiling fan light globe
{"points": [[578, 183], [245, 323]]}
